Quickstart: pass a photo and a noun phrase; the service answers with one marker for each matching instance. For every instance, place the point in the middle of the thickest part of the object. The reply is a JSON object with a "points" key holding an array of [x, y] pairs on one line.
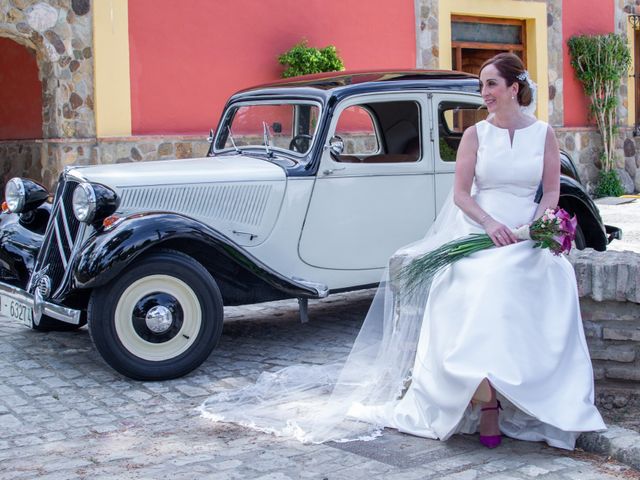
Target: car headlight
{"points": [[93, 202], [84, 202], [23, 195]]}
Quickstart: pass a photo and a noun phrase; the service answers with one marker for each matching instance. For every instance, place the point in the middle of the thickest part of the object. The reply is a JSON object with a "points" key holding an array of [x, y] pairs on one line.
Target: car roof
{"points": [[341, 84]]}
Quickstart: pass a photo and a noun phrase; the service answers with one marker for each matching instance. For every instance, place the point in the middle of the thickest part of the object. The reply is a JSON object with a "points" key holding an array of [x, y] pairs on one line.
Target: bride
{"points": [[493, 344]]}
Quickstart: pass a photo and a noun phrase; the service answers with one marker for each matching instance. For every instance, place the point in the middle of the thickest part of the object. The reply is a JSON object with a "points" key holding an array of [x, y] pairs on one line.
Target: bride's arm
{"points": [[550, 175], [465, 171]]}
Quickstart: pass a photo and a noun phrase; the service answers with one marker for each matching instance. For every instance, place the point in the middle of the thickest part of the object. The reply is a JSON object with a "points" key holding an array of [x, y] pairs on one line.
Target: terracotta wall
{"points": [[20, 93], [581, 17], [188, 57]]}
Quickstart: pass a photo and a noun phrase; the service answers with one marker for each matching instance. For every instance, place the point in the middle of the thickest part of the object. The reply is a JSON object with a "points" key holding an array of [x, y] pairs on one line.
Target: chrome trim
{"points": [[52, 310], [321, 289], [59, 241], [65, 224], [74, 251]]}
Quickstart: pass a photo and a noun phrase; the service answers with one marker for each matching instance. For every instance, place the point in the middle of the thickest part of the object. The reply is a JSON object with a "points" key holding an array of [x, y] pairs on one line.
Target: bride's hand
{"points": [[499, 233]]}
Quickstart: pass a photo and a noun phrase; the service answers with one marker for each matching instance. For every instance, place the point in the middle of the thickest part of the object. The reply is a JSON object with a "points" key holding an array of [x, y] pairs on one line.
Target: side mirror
{"points": [[210, 137], [336, 145]]}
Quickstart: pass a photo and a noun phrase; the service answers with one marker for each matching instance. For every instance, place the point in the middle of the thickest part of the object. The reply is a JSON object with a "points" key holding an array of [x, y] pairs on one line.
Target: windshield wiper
{"points": [[266, 139], [232, 141]]}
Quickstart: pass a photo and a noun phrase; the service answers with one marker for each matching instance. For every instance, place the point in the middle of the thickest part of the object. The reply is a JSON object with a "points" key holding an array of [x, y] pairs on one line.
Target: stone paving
{"points": [[65, 414]]}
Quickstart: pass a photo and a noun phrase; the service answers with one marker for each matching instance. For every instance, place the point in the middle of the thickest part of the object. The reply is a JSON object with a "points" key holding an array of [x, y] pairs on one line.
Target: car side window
{"points": [[358, 131], [453, 119], [380, 132]]}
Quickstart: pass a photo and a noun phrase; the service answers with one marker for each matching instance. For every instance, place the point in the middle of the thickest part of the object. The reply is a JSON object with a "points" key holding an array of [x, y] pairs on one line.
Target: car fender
{"points": [[19, 249], [108, 252]]}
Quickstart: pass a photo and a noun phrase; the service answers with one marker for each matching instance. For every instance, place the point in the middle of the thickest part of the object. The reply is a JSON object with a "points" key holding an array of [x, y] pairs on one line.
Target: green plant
{"points": [[303, 60], [600, 63], [608, 184]]}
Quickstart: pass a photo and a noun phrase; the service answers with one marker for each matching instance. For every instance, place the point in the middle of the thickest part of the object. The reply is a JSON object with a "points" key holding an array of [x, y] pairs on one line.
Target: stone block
{"points": [[183, 150], [626, 180], [165, 149], [630, 166], [609, 310], [622, 333], [616, 353], [626, 372], [592, 330]]}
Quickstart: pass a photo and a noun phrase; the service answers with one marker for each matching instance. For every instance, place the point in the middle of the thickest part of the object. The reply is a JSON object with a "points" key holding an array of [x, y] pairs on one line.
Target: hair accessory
{"points": [[531, 108]]}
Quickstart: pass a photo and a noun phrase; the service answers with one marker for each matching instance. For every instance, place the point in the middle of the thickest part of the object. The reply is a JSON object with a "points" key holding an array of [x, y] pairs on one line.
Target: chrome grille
{"points": [[63, 231]]}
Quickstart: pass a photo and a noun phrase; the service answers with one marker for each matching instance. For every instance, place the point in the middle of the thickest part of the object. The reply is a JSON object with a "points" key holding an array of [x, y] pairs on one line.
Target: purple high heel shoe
{"points": [[491, 441]]}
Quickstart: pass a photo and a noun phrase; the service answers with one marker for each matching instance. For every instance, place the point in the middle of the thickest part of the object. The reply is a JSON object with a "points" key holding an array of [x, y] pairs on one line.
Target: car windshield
{"points": [[288, 127]]}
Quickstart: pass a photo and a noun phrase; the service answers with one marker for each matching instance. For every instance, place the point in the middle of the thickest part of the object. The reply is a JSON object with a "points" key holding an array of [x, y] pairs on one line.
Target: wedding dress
{"points": [[508, 314]]}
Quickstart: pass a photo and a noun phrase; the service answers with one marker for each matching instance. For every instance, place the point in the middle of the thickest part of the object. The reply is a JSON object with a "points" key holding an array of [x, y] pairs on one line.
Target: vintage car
{"points": [[310, 184]]}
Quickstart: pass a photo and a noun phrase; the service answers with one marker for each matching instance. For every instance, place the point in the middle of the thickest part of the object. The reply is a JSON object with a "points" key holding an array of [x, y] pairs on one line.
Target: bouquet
{"points": [[554, 230]]}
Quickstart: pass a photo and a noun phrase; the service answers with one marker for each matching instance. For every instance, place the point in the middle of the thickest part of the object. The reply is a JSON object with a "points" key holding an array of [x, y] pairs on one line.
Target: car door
{"points": [[451, 115], [377, 195]]}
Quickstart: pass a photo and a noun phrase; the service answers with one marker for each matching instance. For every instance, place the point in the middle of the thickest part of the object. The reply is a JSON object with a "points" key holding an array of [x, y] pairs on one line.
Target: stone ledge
{"points": [[616, 442], [607, 275]]}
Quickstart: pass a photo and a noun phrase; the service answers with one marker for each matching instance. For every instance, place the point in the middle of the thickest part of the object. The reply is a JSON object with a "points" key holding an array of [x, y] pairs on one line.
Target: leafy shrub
{"points": [[609, 184], [303, 60], [600, 63]]}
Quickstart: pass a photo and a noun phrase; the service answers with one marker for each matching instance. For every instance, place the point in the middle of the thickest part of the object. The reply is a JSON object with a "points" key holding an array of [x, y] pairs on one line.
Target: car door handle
{"points": [[330, 171]]}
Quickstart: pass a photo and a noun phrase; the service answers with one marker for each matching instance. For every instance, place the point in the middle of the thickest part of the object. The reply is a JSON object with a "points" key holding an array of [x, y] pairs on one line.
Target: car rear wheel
{"points": [[160, 319], [579, 241]]}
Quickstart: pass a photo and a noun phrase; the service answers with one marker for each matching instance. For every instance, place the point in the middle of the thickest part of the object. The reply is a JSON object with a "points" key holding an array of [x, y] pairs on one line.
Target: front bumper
{"points": [[39, 306]]}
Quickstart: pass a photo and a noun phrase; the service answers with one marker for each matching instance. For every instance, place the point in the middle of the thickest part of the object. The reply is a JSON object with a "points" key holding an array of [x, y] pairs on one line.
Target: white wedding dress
{"points": [[508, 314]]}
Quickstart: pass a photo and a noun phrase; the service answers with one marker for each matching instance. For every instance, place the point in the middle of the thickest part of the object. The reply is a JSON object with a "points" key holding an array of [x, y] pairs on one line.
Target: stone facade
{"points": [[60, 34]]}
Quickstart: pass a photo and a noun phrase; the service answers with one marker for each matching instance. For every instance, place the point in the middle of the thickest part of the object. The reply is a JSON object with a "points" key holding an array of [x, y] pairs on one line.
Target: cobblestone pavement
{"points": [[65, 414]]}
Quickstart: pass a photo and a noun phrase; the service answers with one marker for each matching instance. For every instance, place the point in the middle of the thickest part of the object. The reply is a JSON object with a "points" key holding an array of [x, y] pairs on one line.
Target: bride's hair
{"points": [[512, 70]]}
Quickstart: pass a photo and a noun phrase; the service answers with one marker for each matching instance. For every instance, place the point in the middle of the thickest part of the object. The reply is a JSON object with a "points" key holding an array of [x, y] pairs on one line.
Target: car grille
{"points": [[63, 231]]}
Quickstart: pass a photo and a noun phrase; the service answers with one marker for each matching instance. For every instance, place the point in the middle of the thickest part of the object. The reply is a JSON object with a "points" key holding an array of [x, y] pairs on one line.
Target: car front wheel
{"points": [[158, 320]]}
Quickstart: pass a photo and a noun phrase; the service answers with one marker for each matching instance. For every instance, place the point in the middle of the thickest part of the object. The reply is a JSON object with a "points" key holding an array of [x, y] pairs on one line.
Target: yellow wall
{"points": [[535, 15], [111, 64]]}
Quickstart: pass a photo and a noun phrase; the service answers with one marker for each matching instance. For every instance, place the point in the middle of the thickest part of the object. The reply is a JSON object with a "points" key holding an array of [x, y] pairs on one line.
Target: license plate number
{"points": [[16, 310]]}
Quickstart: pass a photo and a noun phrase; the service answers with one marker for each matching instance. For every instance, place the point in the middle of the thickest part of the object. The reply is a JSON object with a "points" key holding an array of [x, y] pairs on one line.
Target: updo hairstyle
{"points": [[509, 66]]}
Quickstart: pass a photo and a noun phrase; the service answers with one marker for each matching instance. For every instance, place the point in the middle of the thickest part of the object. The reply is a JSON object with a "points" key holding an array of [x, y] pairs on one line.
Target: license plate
{"points": [[16, 310]]}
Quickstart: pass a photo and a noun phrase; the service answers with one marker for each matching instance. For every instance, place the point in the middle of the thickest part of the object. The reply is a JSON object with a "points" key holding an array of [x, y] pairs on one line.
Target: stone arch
{"points": [[60, 34]]}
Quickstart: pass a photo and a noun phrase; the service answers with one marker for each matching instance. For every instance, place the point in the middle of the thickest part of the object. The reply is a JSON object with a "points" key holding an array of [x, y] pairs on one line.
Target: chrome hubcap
{"points": [[159, 319]]}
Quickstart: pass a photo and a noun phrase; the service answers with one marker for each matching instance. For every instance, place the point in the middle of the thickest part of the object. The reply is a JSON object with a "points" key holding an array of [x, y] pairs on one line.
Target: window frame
{"points": [[333, 168], [457, 46], [231, 110], [376, 127]]}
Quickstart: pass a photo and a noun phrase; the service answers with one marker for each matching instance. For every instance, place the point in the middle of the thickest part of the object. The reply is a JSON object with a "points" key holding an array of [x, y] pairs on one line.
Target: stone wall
{"points": [[609, 289], [584, 146]]}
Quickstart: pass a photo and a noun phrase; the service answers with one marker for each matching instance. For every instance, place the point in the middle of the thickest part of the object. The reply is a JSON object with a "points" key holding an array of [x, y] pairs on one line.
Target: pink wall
{"points": [[187, 57], [20, 93], [581, 17]]}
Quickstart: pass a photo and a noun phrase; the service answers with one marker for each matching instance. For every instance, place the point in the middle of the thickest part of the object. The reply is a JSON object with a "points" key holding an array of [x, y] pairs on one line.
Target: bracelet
{"points": [[484, 217]]}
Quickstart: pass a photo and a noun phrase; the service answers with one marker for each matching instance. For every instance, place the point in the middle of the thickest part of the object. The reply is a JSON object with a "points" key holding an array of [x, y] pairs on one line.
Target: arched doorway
{"points": [[20, 111], [59, 39]]}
